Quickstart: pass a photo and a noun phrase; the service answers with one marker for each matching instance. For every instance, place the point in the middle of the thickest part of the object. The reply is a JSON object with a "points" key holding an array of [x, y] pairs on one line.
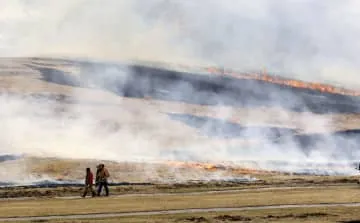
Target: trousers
{"points": [[102, 184], [88, 188]]}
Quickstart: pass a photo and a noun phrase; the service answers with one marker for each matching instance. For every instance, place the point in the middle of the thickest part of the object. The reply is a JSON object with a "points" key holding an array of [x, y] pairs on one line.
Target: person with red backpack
{"points": [[89, 181]]}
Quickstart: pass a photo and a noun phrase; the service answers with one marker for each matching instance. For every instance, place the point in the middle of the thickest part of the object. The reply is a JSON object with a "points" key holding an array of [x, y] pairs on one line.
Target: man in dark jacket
{"points": [[97, 175], [103, 176], [89, 181]]}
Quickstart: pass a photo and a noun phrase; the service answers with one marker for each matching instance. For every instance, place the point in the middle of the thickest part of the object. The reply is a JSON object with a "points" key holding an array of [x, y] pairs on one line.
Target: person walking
{"points": [[89, 179], [103, 180], [97, 177]]}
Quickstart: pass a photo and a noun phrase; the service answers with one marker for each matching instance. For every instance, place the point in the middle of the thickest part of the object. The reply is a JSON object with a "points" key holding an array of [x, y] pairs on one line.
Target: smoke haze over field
{"points": [[310, 40], [313, 40], [102, 124]]}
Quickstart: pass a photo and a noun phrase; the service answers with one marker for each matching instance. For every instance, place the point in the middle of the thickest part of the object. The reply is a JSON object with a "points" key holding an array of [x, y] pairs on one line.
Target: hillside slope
{"points": [[91, 110]]}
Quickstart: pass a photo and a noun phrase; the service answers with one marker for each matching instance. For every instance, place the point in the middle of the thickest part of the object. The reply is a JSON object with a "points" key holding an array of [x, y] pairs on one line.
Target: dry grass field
{"points": [[172, 184], [234, 199], [17, 77], [316, 215]]}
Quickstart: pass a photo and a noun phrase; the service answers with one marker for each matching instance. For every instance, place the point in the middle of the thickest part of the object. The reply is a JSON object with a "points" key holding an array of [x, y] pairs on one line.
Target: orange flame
{"points": [[205, 166], [283, 81], [216, 167]]}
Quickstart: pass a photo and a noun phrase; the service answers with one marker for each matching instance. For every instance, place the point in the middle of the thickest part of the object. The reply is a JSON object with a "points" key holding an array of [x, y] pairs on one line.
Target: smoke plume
{"points": [[304, 39], [309, 40]]}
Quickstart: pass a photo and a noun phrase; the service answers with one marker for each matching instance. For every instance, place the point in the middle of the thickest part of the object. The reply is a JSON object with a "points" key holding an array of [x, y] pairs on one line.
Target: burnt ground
{"points": [[226, 90], [137, 81], [215, 127], [161, 84], [240, 218], [185, 88]]}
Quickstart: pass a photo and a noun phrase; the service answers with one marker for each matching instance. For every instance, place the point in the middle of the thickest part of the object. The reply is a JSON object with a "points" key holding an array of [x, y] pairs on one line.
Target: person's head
{"points": [[87, 170]]}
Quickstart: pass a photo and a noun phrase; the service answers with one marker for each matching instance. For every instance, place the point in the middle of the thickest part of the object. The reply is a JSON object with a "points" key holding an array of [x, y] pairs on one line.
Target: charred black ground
{"points": [[163, 84], [139, 81]]}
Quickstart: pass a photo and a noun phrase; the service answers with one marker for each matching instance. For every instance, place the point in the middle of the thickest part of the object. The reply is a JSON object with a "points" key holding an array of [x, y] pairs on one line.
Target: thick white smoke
{"points": [[303, 39], [103, 126], [314, 40], [95, 29]]}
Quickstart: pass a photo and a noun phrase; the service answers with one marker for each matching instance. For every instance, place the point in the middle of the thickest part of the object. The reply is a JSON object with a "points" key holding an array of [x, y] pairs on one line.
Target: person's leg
{"points": [[85, 191], [99, 188], [96, 187], [92, 191], [106, 186]]}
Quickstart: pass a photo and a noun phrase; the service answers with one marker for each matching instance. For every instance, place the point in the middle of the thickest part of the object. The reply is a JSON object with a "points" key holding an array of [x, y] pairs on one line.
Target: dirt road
{"points": [[184, 193], [164, 212]]}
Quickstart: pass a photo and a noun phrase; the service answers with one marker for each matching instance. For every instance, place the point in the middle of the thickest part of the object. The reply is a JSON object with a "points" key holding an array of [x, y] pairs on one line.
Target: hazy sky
{"points": [[316, 40]]}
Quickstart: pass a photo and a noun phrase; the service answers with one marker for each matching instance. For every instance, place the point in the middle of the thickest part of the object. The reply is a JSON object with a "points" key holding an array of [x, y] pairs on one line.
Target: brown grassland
{"points": [[157, 202], [270, 189]]}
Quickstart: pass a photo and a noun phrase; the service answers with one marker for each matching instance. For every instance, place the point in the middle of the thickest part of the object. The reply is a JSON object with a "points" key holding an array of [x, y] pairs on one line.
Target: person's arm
{"points": [[88, 179], [91, 179], [107, 175]]}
